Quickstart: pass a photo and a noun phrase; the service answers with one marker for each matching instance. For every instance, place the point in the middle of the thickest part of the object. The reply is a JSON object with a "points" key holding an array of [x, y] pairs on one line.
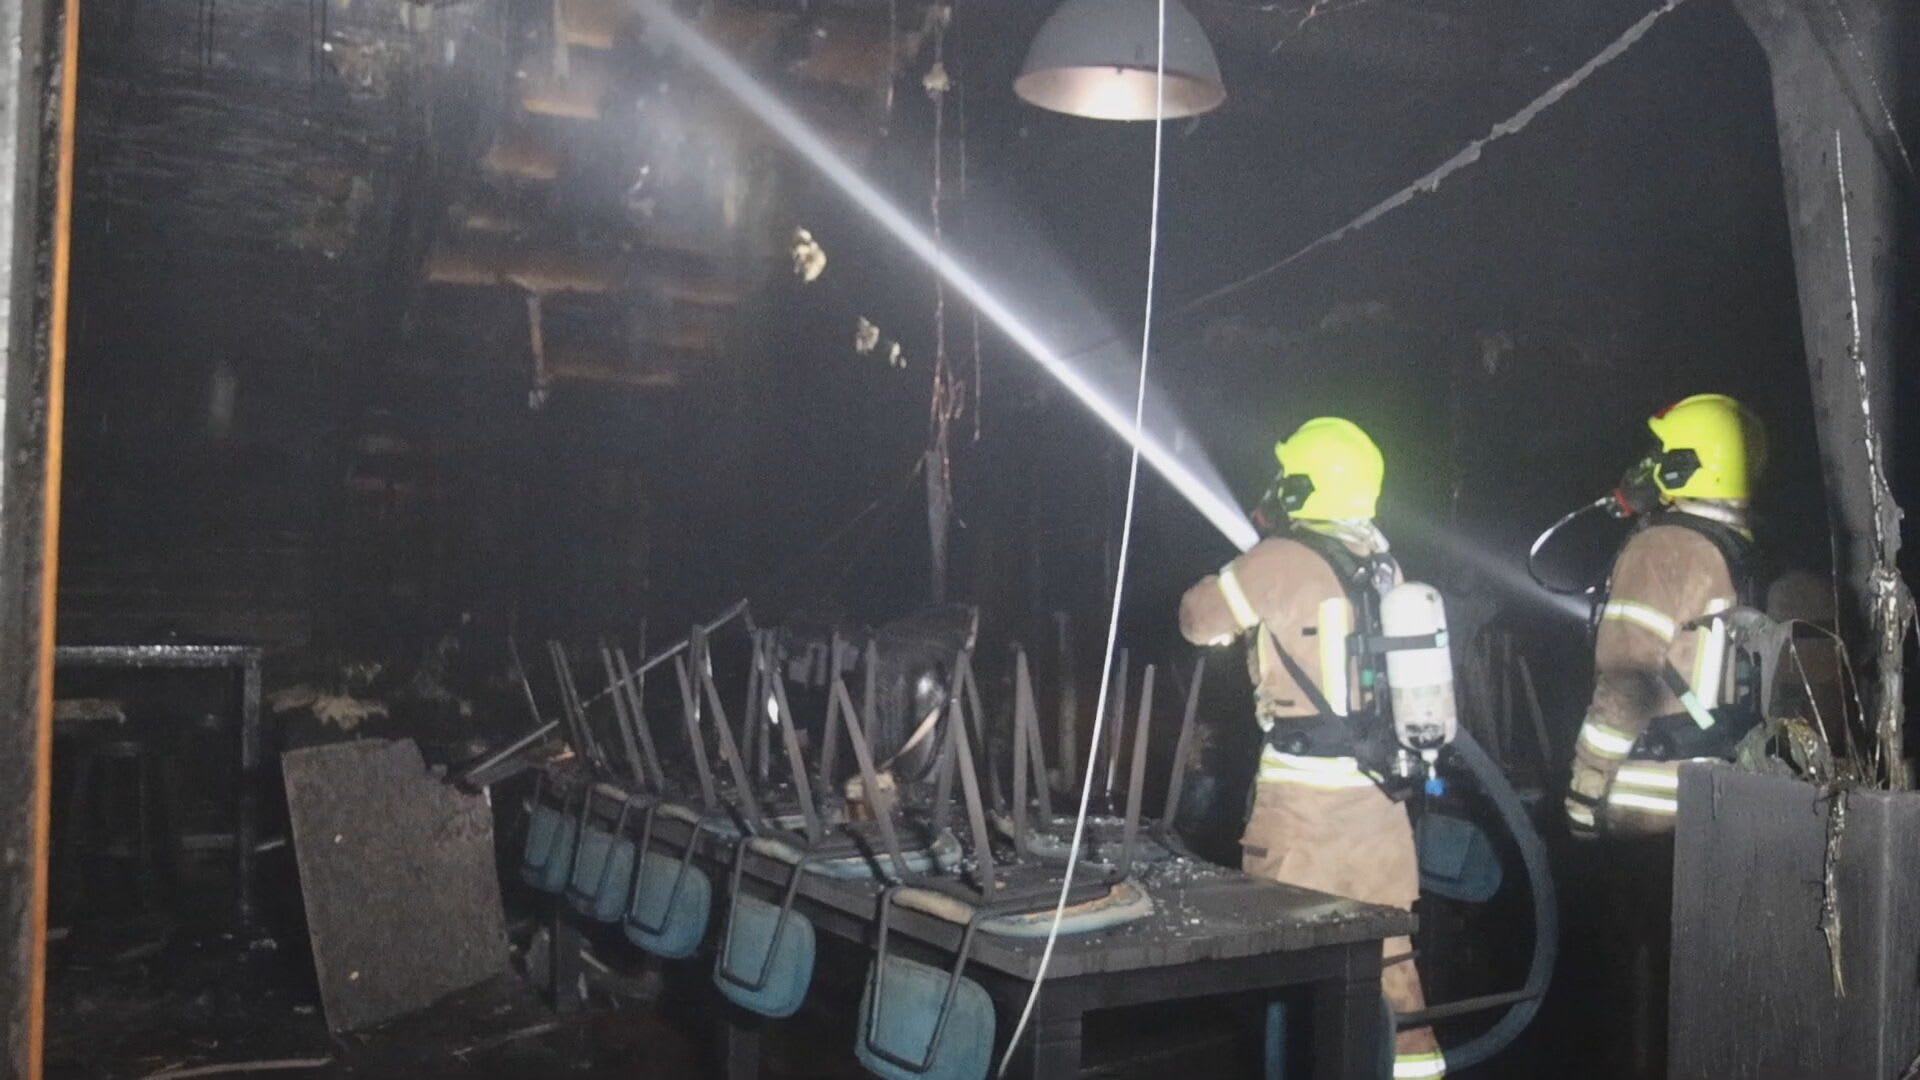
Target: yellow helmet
{"points": [[1329, 469], [1711, 447]]}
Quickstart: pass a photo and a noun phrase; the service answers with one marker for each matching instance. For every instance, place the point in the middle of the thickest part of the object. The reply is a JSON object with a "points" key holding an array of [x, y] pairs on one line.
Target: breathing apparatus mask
{"points": [[1283, 498], [1639, 492], [1639, 489]]}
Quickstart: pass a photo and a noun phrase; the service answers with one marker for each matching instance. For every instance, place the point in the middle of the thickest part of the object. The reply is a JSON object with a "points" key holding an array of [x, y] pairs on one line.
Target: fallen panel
{"points": [[397, 871]]}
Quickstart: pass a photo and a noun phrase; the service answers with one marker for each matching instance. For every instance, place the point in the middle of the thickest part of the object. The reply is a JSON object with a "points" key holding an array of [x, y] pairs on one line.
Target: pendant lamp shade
{"points": [[1096, 58]]}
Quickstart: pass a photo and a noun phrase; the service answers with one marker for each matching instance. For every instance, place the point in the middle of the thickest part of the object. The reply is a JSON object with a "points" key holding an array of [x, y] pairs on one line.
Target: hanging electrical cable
{"points": [[946, 400], [966, 210], [1126, 543]]}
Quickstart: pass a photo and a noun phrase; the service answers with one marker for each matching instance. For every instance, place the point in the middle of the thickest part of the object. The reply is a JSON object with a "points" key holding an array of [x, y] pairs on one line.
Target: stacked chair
{"points": [[637, 838]]}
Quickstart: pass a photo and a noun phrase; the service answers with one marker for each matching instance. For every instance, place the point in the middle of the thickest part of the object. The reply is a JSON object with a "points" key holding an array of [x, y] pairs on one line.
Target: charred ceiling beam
{"points": [[29, 77], [1380, 38], [1841, 100]]}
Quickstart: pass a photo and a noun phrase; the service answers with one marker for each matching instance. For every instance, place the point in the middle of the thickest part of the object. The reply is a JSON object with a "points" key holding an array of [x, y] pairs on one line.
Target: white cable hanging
{"points": [[1126, 543]]}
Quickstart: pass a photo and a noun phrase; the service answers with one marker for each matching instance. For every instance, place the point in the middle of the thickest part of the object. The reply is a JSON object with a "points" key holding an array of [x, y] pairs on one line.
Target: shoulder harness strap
{"points": [[1745, 565], [1740, 552], [1362, 729], [1362, 577], [1356, 575]]}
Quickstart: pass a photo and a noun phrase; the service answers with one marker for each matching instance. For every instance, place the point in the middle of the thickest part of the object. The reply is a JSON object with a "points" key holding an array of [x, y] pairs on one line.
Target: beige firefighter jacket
{"points": [[1318, 823], [1289, 590], [1667, 583]]}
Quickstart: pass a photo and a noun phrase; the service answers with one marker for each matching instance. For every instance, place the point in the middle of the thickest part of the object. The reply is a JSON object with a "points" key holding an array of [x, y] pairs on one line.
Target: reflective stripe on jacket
{"points": [[1666, 582], [1420, 1066], [1286, 589], [1289, 591]]}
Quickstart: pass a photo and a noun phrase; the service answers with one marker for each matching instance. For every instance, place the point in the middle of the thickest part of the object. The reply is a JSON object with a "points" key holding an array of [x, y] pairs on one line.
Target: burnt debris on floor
{"points": [[173, 1004]]}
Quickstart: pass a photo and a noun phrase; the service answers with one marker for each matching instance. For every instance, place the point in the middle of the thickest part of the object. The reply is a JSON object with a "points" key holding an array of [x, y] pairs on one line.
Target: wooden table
{"points": [[243, 661], [1213, 932]]}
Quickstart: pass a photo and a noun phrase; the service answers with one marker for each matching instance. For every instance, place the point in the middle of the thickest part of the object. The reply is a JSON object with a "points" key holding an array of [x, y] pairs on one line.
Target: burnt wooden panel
{"points": [[1752, 986], [1852, 254], [397, 869]]}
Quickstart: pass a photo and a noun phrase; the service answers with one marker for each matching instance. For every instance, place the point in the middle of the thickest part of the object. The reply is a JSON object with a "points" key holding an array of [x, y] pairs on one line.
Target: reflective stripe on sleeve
{"points": [[1319, 772], [1648, 778], [1605, 741], [1651, 804], [1243, 614], [1579, 814], [1646, 618], [1648, 786], [1419, 1066]]}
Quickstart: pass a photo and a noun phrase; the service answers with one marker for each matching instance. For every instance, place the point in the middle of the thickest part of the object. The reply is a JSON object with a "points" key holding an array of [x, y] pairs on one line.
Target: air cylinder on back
{"points": [[1419, 667]]}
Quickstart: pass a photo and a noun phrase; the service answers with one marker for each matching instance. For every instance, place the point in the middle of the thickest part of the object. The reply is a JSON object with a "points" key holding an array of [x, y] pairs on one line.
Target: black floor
{"points": [[143, 997]]}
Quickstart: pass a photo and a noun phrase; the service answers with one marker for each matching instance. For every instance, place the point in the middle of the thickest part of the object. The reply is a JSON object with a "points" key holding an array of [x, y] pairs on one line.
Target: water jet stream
{"points": [[1192, 477], [1100, 380]]}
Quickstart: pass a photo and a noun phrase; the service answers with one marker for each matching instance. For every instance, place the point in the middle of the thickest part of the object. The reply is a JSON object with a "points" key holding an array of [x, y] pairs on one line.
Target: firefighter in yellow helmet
{"points": [[1319, 818], [1668, 684], [1669, 687]]}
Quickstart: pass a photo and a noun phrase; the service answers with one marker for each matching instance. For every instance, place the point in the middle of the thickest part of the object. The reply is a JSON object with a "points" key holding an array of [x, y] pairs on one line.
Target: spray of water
{"points": [[1099, 379], [1180, 465], [1152, 430], [1475, 557]]}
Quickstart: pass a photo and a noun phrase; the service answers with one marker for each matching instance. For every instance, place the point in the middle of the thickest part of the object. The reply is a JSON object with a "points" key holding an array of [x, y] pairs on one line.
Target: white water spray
{"points": [[1204, 492]]}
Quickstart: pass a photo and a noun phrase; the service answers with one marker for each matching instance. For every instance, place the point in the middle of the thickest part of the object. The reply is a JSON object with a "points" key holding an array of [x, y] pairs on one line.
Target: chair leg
{"points": [[76, 834], [146, 841], [173, 816]]}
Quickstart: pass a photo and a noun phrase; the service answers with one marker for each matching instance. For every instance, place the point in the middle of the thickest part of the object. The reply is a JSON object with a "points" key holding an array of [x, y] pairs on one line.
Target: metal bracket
{"points": [[1163, 830], [632, 686], [572, 708]]}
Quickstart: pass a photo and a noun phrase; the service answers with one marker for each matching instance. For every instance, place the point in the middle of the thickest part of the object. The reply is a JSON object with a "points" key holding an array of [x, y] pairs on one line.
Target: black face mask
{"points": [[1294, 491], [1641, 489], [1284, 498], [1638, 492], [1677, 467]]}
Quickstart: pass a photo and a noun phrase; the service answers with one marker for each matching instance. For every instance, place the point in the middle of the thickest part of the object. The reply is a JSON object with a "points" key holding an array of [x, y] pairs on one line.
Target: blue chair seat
{"points": [[759, 973], [896, 1040], [671, 903], [602, 877], [549, 853]]}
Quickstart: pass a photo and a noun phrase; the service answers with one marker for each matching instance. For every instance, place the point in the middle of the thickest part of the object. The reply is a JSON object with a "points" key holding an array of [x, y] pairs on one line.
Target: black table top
{"points": [[1200, 912]]}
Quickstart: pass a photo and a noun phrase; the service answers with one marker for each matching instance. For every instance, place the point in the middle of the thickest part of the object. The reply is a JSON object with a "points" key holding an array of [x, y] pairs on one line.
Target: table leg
{"points": [[741, 1047], [1056, 1048], [564, 967], [1274, 1048], [247, 818], [1347, 1017], [77, 835]]}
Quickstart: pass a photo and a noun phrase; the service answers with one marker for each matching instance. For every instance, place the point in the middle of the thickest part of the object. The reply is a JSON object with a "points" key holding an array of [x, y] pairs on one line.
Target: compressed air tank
{"points": [[1419, 666]]}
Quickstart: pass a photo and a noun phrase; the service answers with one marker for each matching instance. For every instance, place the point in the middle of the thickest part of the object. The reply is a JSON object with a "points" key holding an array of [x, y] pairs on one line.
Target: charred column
{"points": [[30, 45], [1849, 167]]}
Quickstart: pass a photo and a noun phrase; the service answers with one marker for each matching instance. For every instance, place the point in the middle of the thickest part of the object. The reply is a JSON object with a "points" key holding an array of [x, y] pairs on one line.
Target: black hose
{"points": [[1546, 911], [1547, 534]]}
